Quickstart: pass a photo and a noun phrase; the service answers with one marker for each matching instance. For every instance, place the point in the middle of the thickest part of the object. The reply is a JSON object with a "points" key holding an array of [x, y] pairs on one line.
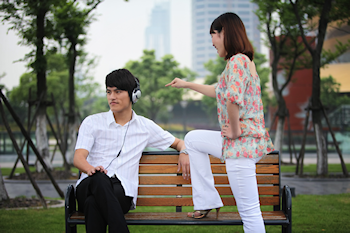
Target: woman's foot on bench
{"points": [[198, 214]]}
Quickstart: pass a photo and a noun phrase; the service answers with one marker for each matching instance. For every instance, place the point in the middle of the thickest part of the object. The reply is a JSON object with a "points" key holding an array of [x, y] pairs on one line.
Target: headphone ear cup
{"points": [[136, 95]]}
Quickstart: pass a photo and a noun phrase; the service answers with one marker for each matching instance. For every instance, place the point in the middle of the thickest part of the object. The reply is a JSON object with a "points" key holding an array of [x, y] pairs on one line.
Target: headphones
{"points": [[136, 93]]}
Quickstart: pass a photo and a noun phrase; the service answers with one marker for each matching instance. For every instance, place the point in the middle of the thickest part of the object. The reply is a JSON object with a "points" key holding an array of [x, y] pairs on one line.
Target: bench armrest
{"points": [[287, 202], [70, 203]]}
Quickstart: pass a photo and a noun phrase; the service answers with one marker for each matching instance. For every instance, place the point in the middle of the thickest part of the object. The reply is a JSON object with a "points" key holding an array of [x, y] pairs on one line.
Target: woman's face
{"points": [[218, 42]]}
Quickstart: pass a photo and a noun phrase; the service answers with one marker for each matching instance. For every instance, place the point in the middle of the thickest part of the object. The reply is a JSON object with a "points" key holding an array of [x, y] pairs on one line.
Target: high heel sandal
{"points": [[202, 213]]}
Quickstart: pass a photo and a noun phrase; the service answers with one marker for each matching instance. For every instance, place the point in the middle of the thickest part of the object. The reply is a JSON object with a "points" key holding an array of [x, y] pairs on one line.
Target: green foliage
{"points": [[330, 97], [328, 56], [57, 84], [153, 76]]}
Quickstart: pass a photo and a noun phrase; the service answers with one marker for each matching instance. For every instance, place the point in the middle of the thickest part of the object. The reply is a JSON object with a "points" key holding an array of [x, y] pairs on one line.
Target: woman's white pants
{"points": [[240, 172]]}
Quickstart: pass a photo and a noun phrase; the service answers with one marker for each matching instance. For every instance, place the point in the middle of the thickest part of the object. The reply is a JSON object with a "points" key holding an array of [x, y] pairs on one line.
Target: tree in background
{"points": [[313, 16], [57, 86], [71, 22], [277, 21], [217, 66], [153, 76], [29, 19]]}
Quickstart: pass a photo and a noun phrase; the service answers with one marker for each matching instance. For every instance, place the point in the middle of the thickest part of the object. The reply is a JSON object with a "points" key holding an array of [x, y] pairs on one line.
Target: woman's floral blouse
{"points": [[238, 86]]}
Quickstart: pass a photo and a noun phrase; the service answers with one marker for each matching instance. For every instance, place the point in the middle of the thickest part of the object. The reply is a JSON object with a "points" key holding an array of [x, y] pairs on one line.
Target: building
{"points": [[203, 14], [158, 32]]}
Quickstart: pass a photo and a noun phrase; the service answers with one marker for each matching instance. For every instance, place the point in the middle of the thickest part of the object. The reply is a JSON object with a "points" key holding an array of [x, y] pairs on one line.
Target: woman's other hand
{"points": [[228, 132]]}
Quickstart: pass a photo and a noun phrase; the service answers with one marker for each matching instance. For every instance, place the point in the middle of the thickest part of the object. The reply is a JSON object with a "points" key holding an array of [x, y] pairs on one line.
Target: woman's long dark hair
{"points": [[235, 36]]}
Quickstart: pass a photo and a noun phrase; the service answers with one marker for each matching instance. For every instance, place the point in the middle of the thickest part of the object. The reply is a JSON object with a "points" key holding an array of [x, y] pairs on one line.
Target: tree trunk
{"points": [[322, 159], [72, 132], [40, 65], [278, 143], [42, 141], [3, 193]]}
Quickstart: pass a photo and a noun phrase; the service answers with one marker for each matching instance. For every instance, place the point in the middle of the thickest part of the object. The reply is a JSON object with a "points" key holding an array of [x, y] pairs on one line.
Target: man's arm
{"points": [[184, 161], [82, 164]]}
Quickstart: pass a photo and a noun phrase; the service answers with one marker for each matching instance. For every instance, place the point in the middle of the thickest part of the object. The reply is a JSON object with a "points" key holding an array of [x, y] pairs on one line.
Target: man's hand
{"points": [[184, 164], [93, 170]]}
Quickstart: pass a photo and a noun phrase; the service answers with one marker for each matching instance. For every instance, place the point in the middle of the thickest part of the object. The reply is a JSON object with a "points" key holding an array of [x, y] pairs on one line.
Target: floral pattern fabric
{"points": [[238, 86]]}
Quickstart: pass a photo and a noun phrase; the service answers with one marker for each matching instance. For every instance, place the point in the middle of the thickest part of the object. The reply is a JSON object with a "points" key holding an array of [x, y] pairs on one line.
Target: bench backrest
{"points": [[162, 185]]}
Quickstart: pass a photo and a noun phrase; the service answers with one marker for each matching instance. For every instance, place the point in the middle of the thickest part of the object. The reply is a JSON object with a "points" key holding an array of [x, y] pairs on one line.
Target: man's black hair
{"points": [[121, 79]]}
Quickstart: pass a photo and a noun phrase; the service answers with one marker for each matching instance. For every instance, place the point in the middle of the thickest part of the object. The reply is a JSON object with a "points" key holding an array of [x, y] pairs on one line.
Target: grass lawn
{"points": [[310, 213]]}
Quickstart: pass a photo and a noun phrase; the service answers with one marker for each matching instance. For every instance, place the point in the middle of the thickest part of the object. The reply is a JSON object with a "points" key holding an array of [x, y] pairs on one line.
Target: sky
{"points": [[115, 37]]}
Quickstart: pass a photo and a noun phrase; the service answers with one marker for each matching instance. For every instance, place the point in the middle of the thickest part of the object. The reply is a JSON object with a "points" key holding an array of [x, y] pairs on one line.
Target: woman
{"points": [[243, 140]]}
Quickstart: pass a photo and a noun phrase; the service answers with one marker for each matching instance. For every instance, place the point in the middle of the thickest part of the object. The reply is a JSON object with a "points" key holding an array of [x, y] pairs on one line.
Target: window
{"points": [[243, 5], [243, 12], [213, 5], [214, 13], [200, 13], [200, 6]]}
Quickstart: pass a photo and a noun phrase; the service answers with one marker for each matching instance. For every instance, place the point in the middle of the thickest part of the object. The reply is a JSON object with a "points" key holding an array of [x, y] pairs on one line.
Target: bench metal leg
{"points": [[287, 229], [71, 228]]}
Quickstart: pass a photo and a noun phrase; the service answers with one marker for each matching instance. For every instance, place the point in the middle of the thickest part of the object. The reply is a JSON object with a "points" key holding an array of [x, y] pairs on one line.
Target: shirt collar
{"points": [[110, 117]]}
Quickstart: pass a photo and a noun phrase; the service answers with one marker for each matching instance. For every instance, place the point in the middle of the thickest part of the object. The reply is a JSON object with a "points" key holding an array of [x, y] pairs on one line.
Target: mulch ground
{"points": [[57, 175], [23, 202]]}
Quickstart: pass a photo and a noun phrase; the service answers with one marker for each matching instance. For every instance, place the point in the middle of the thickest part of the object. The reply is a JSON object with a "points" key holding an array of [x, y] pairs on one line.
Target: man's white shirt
{"points": [[103, 138]]}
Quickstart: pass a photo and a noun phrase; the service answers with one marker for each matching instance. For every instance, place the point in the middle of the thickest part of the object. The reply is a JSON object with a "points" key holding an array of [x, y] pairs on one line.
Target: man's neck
{"points": [[122, 118]]}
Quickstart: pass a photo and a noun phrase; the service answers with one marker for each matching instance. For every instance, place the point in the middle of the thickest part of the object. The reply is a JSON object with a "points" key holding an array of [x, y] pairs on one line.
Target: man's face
{"points": [[118, 100]]}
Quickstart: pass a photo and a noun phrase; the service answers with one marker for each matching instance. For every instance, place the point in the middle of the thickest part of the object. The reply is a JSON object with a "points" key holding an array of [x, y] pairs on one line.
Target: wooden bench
{"points": [[161, 185]]}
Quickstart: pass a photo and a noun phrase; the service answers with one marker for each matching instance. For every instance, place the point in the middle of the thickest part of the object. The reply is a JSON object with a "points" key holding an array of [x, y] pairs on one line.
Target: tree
{"points": [[153, 76], [57, 86], [71, 23], [29, 19], [314, 16], [278, 23]]}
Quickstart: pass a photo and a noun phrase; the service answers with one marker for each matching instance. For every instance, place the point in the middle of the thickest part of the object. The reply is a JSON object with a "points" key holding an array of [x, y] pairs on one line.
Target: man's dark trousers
{"points": [[102, 199]]}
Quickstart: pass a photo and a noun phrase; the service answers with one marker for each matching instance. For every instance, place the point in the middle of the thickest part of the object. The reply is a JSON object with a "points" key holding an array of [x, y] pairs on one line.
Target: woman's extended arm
{"points": [[207, 90]]}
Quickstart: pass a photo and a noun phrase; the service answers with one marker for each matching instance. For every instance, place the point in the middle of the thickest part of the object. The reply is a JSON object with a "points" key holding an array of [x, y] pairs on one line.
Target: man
{"points": [[108, 150]]}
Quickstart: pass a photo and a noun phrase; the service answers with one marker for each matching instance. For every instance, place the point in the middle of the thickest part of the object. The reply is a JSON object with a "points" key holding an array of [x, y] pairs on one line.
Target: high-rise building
{"points": [[158, 32], [203, 14]]}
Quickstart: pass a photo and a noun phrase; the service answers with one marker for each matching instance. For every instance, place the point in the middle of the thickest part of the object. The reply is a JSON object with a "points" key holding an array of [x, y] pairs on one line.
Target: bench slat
{"points": [[216, 169], [267, 215], [265, 190], [187, 201], [173, 159], [177, 180]]}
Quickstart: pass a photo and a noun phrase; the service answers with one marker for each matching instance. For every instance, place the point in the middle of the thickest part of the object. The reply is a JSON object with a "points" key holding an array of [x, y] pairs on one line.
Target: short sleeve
{"points": [[235, 80], [85, 138], [160, 138]]}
